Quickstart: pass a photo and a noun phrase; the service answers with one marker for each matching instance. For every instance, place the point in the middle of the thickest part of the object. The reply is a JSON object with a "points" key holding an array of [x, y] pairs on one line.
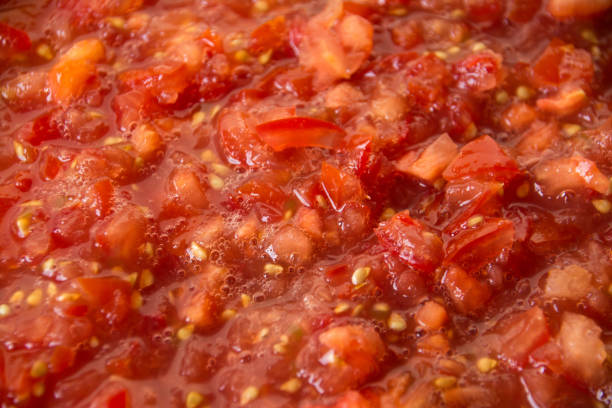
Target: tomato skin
{"points": [[479, 72], [297, 132], [411, 242], [482, 159]]}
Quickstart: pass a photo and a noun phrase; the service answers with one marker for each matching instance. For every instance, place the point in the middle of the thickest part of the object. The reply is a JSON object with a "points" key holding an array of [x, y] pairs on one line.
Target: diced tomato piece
{"points": [[340, 186], [44, 127], [538, 138], [186, 190], [101, 291], [468, 294], [566, 102], [133, 106], [572, 282], [518, 116], [521, 334], [482, 159], [62, 359], [479, 72], [431, 315], [121, 237], [68, 78], [521, 11], [570, 173], [430, 164], [165, 82], [342, 358], [411, 242], [474, 247], [485, 10], [291, 245], [270, 36], [239, 139], [563, 9], [335, 52], [112, 396], [562, 63], [13, 40], [583, 351], [70, 226], [264, 191], [300, 132], [99, 197]]}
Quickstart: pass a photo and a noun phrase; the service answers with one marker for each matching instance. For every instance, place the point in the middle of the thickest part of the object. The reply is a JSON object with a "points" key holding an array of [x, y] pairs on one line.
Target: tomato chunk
{"points": [[13, 40], [468, 294], [571, 173], [482, 159], [521, 334], [411, 242], [340, 186], [430, 164], [296, 132]]}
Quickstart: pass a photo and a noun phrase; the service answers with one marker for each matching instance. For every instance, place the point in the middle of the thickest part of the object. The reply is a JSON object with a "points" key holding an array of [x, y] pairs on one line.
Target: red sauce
{"points": [[287, 203]]}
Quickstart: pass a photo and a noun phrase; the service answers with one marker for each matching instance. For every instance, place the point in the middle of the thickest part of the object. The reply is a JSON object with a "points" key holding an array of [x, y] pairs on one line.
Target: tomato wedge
{"points": [[286, 133]]}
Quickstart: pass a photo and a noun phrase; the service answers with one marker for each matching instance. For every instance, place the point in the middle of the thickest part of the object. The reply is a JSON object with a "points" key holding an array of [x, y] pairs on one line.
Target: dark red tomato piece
{"points": [[100, 291], [300, 132], [120, 237], [99, 197], [70, 226], [479, 72], [340, 186], [474, 247], [45, 127], [521, 11], [521, 334], [61, 359], [465, 198], [13, 40], [264, 191], [133, 106], [411, 242], [113, 396], [467, 293], [270, 36], [484, 10], [482, 159], [562, 63], [165, 82]]}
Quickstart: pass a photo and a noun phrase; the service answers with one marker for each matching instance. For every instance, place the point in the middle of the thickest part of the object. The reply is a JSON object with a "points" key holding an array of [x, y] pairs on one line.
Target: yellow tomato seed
{"points": [[360, 275], [197, 118], [523, 92], [146, 278], [16, 297], [523, 190], [603, 206], [39, 369], [35, 298], [185, 332], [38, 389], [193, 399], [136, 300], [396, 322], [445, 382], [475, 220], [273, 269], [387, 213], [502, 97], [249, 394], [228, 314], [341, 308], [291, 386], [215, 182], [486, 364], [44, 51], [5, 310]]}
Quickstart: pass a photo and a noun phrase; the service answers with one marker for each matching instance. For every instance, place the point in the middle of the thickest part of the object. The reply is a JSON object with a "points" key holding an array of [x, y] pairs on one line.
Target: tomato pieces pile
{"points": [[306, 203]]}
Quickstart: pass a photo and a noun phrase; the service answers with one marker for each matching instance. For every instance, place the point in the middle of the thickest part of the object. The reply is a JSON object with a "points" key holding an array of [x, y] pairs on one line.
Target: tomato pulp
{"points": [[305, 203]]}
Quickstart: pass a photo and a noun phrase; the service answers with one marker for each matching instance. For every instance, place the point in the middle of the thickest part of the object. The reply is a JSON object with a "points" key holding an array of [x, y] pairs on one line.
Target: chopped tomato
{"points": [[430, 164], [13, 40], [482, 159], [521, 334], [479, 72], [296, 132], [69, 76], [411, 241], [577, 8], [563, 64], [468, 294], [121, 237], [340, 186], [570, 173], [474, 247], [572, 282], [583, 351]]}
